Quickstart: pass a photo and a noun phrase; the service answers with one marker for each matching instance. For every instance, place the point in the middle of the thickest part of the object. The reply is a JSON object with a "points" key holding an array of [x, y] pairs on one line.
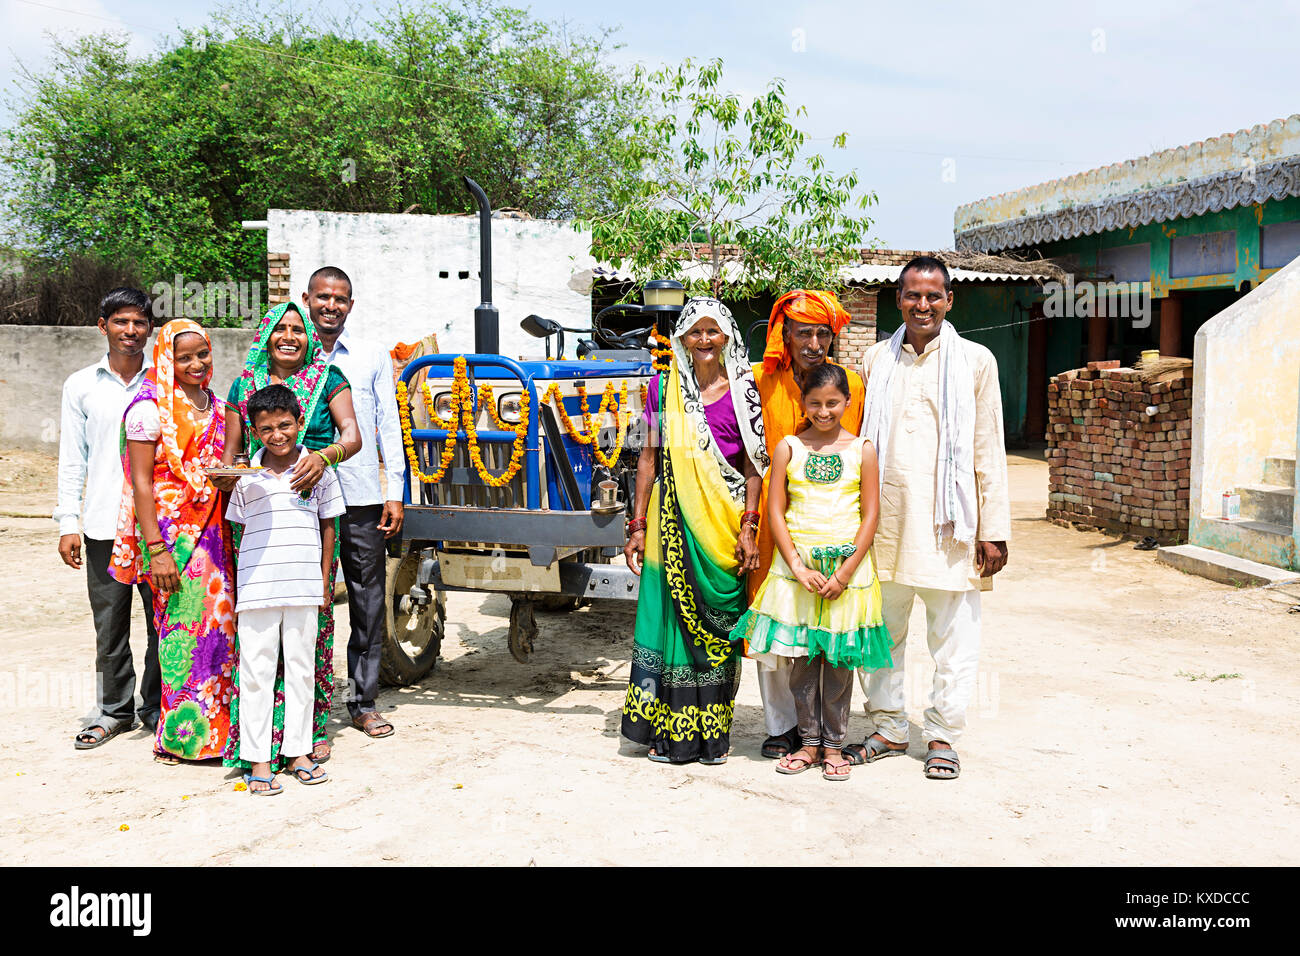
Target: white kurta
{"points": [[906, 548]]}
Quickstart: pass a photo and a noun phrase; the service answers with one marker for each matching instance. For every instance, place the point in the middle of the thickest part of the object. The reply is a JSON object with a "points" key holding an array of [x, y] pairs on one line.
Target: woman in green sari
{"points": [[694, 539], [288, 352]]}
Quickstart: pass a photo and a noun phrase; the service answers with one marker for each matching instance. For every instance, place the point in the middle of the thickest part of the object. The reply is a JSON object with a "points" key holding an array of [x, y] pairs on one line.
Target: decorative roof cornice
{"points": [[1213, 193]]}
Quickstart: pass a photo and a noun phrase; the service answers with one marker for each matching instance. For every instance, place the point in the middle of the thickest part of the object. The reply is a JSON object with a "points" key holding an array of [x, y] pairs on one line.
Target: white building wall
{"points": [[396, 263]]}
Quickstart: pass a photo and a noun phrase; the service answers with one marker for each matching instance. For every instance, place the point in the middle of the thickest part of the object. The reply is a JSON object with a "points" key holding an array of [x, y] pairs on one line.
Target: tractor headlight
{"points": [[508, 408], [442, 406]]}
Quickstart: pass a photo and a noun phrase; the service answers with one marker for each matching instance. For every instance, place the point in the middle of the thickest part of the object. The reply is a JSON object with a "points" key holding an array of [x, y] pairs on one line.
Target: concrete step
{"points": [[1273, 504], [1279, 471], [1224, 568]]}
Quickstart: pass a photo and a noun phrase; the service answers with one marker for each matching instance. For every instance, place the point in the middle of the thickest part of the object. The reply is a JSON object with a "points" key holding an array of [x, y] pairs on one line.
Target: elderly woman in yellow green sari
{"points": [[694, 538]]}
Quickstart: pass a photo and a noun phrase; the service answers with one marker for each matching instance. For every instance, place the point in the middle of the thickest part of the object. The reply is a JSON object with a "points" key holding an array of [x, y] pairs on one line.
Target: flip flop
{"points": [[827, 766], [101, 732], [309, 780], [321, 758], [658, 758], [714, 761], [790, 758], [273, 789]]}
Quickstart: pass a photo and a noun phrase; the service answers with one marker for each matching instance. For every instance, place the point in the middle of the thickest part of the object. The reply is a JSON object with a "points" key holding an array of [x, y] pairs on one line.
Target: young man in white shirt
{"points": [[90, 495], [373, 514]]}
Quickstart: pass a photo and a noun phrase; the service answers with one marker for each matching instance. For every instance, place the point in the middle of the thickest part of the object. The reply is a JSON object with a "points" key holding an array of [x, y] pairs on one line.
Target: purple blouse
{"points": [[721, 416]]}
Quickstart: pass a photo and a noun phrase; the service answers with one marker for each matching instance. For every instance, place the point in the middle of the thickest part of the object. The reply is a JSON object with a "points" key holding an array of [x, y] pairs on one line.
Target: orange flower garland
{"points": [[462, 407], [461, 391], [663, 353], [449, 447]]}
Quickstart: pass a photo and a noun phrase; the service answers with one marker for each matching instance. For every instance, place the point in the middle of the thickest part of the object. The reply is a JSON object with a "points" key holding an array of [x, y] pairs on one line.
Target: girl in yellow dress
{"points": [[820, 604]]}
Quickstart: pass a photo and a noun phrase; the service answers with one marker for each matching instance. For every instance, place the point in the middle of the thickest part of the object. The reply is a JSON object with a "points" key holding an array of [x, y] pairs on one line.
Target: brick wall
{"points": [[860, 334], [1114, 465], [277, 278]]}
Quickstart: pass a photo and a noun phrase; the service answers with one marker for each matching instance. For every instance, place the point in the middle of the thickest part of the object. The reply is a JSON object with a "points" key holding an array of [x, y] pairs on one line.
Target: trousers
{"points": [[110, 607], [263, 634], [953, 633], [778, 702], [822, 696], [363, 558]]}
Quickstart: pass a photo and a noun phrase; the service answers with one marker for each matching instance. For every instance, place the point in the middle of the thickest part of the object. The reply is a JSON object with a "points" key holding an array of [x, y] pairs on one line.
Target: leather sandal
{"points": [[942, 771], [369, 720], [870, 750], [101, 732], [774, 748]]}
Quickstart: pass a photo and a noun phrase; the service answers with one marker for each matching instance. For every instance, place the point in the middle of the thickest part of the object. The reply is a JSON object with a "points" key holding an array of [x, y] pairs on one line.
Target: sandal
{"points": [[777, 747], [167, 760], [939, 771], [321, 756], [369, 720], [828, 767], [273, 789], [786, 765], [657, 758], [311, 779], [100, 733], [870, 750]]}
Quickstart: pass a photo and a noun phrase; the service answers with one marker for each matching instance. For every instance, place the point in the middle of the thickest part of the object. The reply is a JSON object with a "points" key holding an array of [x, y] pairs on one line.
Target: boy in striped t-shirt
{"points": [[282, 582]]}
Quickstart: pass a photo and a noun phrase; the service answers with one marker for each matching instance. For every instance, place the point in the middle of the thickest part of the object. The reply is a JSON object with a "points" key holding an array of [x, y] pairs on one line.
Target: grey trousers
{"points": [[822, 697], [110, 607], [363, 559]]}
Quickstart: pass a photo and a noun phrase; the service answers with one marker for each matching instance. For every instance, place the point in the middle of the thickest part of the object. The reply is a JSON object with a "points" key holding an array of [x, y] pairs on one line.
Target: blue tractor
{"points": [[520, 474]]}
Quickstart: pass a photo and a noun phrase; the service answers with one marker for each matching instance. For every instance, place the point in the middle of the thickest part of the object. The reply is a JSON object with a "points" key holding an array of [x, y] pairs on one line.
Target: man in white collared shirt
{"points": [[373, 513], [90, 496]]}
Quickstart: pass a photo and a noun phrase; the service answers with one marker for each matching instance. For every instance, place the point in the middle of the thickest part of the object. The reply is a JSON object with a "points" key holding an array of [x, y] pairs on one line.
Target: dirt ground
{"points": [[1126, 713]]}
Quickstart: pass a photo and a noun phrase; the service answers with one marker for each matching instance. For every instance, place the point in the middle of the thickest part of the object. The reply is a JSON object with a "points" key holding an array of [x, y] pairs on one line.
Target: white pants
{"points": [[262, 632], [778, 700], [953, 632]]}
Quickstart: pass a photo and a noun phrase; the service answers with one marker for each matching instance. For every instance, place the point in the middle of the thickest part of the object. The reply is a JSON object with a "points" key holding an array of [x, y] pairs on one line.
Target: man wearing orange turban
{"points": [[799, 335]]}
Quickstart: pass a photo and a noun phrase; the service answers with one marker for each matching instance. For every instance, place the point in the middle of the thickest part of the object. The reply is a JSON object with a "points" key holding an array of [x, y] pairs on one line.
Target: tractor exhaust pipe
{"points": [[487, 326]]}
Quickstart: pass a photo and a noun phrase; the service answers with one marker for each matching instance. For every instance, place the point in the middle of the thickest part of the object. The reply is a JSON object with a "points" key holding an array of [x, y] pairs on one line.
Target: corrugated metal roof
{"points": [[874, 275], [863, 274]]}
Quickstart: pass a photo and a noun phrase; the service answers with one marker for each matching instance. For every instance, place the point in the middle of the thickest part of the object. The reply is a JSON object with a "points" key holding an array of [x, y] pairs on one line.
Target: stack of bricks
{"points": [[860, 334], [1120, 451], [277, 278]]}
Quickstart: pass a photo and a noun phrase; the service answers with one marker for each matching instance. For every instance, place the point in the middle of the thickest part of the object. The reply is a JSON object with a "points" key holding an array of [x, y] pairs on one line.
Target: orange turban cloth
{"points": [[801, 305]]}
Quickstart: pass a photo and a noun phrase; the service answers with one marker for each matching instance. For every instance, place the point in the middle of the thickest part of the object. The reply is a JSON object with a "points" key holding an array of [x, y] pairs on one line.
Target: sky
{"points": [[943, 103]]}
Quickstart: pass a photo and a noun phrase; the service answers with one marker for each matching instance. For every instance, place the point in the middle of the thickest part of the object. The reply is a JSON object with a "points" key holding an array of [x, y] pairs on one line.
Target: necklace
{"points": [[196, 407]]}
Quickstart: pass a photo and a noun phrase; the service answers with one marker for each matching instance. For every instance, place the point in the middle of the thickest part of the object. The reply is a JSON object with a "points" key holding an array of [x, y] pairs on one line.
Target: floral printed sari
{"points": [[314, 385], [196, 625]]}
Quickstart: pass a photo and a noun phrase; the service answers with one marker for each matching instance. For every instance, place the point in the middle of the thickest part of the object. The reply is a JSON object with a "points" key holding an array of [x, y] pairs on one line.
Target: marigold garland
{"points": [[663, 354], [449, 447], [462, 407], [608, 404]]}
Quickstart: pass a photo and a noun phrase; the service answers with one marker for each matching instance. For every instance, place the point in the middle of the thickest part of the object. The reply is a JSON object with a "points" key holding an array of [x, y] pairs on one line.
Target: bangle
{"points": [[157, 548], [635, 525], [328, 463], [750, 517], [343, 453]]}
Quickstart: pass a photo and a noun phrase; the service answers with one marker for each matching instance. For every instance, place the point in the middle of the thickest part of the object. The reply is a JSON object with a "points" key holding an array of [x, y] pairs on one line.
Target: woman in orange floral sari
{"points": [[171, 530]]}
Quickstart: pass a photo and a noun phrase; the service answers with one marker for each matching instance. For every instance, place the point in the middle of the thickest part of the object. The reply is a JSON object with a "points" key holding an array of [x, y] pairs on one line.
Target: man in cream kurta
{"points": [[910, 559]]}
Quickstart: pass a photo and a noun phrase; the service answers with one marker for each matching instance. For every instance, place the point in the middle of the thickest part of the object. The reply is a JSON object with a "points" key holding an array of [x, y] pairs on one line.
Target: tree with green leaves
{"points": [[730, 187], [155, 160]]}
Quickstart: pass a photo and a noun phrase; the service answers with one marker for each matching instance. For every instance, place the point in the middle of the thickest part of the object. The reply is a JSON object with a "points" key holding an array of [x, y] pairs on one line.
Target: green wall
{"points": [[997, 316]]}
